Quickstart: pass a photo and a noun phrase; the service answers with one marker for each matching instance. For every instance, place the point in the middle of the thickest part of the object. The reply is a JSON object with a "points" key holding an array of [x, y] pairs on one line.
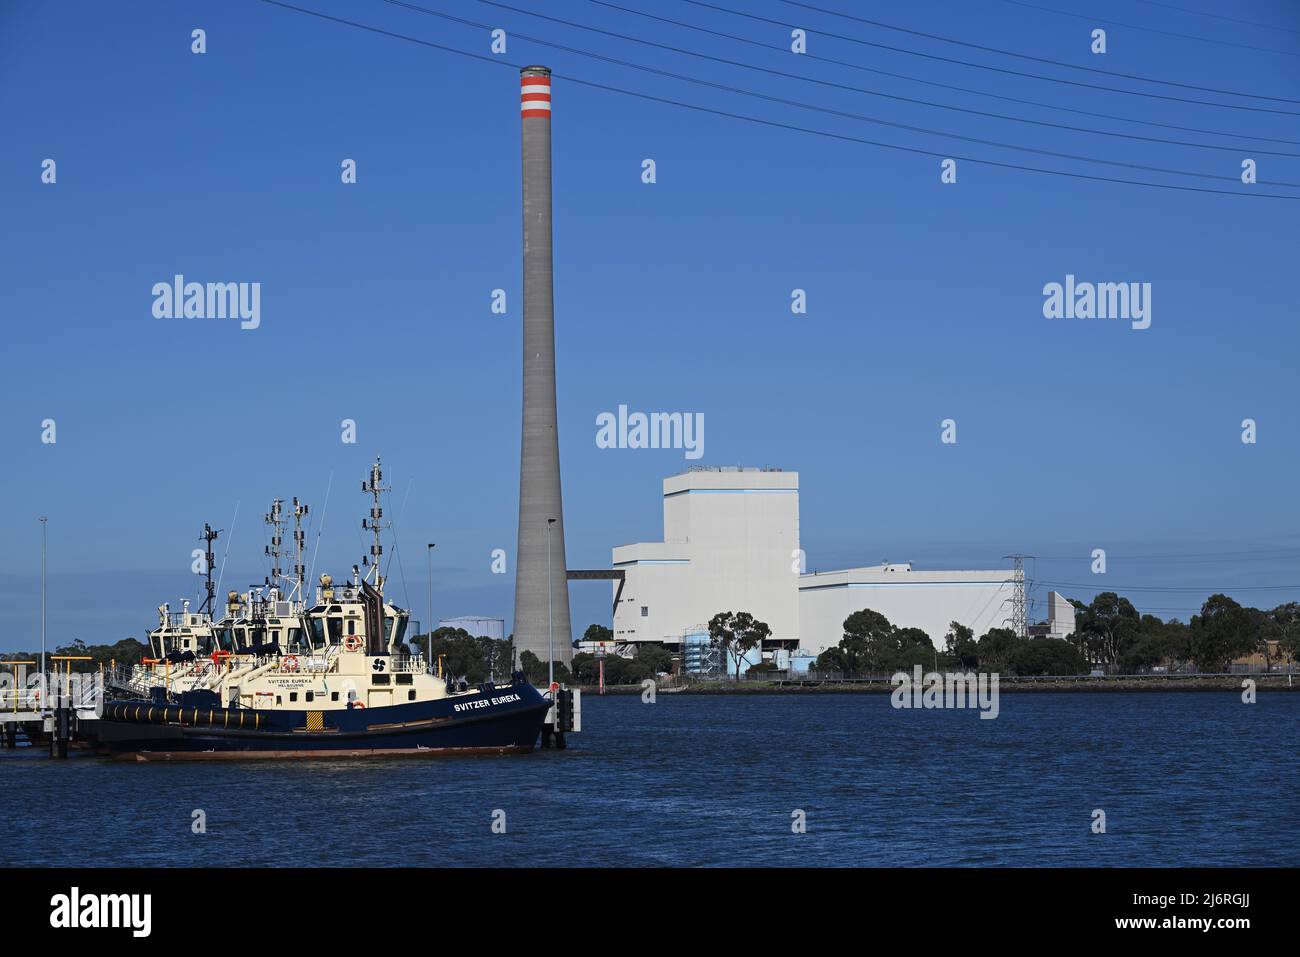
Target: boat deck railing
{"points": [[203, 672], [311, 664], [407, 664], [182, 619]]}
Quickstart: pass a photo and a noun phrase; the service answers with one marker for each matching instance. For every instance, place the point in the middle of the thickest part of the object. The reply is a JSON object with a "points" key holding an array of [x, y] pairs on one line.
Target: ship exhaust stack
{"points": [[541, 582]]}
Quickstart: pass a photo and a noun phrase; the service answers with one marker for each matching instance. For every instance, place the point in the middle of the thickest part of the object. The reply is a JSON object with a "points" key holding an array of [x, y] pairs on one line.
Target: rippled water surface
{"points": [[1184, 779]]}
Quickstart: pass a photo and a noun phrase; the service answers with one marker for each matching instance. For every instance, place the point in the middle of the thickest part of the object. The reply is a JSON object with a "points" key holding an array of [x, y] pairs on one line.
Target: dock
{"points": [[54, 705]]}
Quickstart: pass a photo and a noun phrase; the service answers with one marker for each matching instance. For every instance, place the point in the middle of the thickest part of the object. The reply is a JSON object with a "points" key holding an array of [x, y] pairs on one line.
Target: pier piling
{"points": [[61, 732]]}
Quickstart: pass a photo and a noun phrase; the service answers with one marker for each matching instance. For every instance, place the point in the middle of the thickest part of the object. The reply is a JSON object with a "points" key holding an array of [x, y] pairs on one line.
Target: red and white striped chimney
{"points": [[542, 622], [535, 92]]}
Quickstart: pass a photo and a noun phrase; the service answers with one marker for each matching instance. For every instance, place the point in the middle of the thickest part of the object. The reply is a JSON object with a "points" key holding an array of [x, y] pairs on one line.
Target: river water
{"points": [[1182, 778]]}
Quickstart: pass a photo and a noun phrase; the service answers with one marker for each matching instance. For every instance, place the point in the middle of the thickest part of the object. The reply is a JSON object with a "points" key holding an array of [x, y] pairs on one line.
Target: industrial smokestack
{"points": [[541, 580]]}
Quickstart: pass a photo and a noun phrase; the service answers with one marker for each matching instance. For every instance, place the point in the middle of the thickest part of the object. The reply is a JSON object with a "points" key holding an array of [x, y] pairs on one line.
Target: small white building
{"points": [[731, 543]]}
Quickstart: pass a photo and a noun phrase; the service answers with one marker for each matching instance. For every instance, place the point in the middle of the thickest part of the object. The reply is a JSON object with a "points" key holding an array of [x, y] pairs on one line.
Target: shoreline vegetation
{"points": [[1112, 648]]}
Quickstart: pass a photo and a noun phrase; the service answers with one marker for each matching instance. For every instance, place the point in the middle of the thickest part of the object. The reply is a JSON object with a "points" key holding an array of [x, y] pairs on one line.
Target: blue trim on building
{"points": [[655, 561], [687, 491], [901, 584]]}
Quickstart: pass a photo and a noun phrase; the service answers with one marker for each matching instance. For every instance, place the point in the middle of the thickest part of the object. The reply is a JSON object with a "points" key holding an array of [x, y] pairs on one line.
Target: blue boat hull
{"points": [[493, 720]]}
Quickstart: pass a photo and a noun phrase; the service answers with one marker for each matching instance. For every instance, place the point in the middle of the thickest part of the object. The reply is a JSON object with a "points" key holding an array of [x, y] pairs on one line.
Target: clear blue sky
{"points": [[924, 299]]}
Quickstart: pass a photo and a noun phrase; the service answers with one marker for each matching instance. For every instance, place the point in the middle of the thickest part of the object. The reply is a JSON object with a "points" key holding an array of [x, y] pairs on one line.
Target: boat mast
{"points": [[299, 545], [375, 524], [209, 536], [275, 519]]}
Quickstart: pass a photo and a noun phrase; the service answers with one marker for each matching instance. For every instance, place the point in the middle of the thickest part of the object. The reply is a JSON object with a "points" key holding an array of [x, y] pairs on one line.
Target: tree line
{"points": [[477, 658], [872, 645], [1109, 634], [128, 651]]}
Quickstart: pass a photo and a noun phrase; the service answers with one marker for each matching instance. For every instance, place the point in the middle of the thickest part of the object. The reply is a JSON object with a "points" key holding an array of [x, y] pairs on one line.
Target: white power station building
{"points": [[731, 543], [929, 600]]}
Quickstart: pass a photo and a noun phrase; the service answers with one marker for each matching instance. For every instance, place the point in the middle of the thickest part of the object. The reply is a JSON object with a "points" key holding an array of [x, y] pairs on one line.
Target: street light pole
{"points": [[428, 641], [550, 627], [44, 539]]}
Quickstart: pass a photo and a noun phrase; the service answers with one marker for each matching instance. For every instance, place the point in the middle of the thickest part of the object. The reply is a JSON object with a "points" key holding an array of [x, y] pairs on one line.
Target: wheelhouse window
{"points": [[395, 627]]}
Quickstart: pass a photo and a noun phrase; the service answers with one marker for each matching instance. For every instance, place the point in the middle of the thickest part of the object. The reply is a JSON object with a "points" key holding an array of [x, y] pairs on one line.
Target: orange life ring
{"points": [[358, 704], [289, 663], [352, 642]]}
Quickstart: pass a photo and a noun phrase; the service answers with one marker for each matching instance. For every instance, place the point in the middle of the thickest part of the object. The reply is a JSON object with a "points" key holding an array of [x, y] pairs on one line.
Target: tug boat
{"points": [[322, 714], [275, 679]]}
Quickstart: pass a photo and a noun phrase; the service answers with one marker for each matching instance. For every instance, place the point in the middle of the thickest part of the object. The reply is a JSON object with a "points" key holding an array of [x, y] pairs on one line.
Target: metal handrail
{"points": [[407, 664], [12, 698]]}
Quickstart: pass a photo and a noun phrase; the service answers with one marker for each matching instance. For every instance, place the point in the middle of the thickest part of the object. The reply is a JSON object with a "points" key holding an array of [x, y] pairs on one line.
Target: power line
{"points": [[740, 91], [994, 69], [842, 86], [775, 124], [1194, 558], [1216, 16], [1202, 589], [947, 86], [1035, 59], [1132, 26]]}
